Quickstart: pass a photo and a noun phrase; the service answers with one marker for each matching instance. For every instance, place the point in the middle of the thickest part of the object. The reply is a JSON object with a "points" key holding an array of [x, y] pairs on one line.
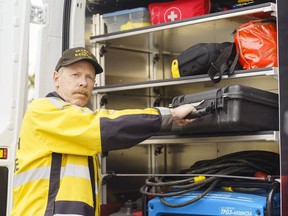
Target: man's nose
{"points": [[82, 81]]}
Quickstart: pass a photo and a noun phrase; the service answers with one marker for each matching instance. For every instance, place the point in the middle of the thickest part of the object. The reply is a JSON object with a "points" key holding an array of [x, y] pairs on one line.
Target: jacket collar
{"points": [[54, 94]]}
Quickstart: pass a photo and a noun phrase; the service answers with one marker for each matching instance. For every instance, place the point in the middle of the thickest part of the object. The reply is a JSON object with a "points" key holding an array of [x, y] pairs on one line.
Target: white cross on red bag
{"points": [[177, 10]]}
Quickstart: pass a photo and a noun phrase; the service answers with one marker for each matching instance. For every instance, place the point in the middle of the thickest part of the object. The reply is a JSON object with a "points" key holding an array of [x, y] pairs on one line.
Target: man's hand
{"points": [[179, 114]]}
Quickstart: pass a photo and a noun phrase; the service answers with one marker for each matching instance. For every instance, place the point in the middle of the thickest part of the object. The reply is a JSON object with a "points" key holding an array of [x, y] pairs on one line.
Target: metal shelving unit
{"points": [[160, 38]]}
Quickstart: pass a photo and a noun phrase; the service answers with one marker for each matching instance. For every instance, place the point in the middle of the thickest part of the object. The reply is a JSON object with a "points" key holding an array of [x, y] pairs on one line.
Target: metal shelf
{"points": [[150, 35], [164, 38], [266, 136], [184, 80]]}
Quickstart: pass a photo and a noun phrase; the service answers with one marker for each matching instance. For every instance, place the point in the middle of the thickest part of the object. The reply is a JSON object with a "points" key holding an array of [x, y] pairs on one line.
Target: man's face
{"points": [[75, 82]]}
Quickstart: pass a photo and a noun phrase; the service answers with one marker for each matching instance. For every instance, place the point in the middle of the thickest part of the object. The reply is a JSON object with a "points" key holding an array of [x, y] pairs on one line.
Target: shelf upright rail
{"points": [[282, 27]]}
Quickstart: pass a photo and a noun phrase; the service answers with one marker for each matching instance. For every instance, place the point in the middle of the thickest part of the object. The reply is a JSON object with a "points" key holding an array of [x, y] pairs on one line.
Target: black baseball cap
{"points": [[73, 55]]}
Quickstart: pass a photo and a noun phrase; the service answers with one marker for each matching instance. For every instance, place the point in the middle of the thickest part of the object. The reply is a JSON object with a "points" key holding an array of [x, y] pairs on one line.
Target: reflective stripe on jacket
{"points": [[56, 167]]}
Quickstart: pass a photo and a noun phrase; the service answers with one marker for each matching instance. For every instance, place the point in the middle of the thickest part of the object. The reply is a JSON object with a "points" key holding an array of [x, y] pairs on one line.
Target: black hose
{"points": [[144, 202], [245, 163], [210, 188], [270, 198]]}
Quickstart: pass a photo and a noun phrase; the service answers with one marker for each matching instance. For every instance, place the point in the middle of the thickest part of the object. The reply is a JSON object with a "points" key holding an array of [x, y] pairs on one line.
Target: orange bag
{"points": [[256, 42]]}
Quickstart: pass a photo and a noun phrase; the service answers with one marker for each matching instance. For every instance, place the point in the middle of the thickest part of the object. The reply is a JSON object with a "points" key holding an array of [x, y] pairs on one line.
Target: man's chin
{"points": [[80, 102]]}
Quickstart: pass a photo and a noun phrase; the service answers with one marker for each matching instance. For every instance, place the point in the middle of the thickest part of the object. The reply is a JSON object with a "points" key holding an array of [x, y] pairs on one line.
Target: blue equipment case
{"points": [[215, 203]]}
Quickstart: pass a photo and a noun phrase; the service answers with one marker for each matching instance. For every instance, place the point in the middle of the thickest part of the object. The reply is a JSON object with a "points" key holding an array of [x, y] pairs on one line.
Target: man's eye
{"points": [[91, 78]]}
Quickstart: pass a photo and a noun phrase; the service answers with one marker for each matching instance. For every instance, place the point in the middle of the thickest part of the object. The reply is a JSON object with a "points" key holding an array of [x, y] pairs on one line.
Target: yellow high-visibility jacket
{"points": [[57, 168]]}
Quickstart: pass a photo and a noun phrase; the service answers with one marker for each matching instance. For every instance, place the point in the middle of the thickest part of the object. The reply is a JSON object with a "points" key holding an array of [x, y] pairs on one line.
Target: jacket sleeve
{"points": [[61, 127], [126, 128]]}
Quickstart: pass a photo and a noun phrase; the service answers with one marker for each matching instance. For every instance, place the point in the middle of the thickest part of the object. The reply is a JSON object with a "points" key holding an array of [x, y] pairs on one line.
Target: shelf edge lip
{"points": [[183, 80], [266, 136], [266, 7]]}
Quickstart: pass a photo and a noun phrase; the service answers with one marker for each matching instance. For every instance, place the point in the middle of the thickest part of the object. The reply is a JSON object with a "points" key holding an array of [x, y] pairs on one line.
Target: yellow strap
{"points": [[175, 69], [229, 189], [199, 178], [243, 1]]}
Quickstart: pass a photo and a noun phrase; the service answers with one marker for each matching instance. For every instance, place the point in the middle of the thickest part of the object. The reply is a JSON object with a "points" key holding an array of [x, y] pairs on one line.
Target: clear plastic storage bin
{"points": [[126, 19]]}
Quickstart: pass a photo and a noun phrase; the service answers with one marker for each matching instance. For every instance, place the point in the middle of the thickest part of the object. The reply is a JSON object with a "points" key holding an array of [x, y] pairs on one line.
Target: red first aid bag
{"points": [[256, 42], [177, 10]]}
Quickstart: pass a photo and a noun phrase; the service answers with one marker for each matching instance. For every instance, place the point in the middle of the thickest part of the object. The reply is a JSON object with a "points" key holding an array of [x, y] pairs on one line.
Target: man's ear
{"points": [[56, 78]]}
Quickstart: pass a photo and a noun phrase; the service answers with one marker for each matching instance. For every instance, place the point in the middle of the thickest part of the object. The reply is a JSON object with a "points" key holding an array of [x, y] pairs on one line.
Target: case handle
{"points": [[201, 112]]}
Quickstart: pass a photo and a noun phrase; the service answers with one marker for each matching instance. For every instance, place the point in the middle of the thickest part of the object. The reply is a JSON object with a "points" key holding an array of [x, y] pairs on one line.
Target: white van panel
{"points": [[14, 30]]}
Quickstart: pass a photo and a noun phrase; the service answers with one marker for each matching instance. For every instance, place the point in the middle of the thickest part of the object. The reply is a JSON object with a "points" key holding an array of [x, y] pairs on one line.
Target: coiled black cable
{"points": [[245, 163], [210, 188]]}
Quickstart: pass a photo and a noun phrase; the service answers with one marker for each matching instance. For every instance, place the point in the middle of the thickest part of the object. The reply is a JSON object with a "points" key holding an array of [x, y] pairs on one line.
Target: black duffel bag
{"points": [[214, 59]]}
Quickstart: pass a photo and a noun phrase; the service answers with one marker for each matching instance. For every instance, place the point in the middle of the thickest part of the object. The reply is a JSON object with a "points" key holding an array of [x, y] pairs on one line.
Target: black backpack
{"points": [[214, 59], [223, 5]]}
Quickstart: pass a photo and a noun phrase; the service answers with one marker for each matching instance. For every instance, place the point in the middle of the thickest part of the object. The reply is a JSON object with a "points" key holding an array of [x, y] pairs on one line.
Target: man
{"points": [[56, 170]]}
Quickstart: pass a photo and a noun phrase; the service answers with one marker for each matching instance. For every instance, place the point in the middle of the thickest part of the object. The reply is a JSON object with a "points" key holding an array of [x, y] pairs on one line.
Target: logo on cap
{"points": [[83, 53]]}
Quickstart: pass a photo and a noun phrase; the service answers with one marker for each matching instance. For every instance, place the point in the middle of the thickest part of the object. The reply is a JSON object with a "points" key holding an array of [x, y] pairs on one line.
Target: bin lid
{"points": [[123, 12]]}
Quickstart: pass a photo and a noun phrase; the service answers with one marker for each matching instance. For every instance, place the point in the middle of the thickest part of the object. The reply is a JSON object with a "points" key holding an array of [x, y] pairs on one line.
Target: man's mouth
{"points": [[81, 93]]}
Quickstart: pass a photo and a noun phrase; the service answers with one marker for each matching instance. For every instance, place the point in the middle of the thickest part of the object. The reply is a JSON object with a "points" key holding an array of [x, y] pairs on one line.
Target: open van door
{"points": [[33, 34], [57, 25], [14, 31]]}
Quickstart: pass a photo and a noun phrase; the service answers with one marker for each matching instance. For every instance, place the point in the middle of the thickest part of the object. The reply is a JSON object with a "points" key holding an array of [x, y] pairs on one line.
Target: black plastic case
{"points": [[234, 108]]}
